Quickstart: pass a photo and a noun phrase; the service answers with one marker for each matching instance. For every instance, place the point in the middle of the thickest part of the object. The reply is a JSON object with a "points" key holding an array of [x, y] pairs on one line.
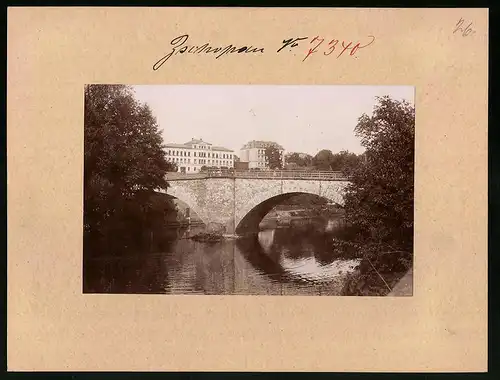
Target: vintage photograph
{"points": [[249, 190]]}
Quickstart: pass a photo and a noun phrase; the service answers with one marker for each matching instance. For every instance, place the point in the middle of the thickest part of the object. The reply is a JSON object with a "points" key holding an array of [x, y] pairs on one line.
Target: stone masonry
{"points": [[237, 205]]}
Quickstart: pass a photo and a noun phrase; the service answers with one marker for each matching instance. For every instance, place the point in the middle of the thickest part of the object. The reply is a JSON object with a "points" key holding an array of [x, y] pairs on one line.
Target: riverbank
{"points": [[404, 287], [381, 274]]}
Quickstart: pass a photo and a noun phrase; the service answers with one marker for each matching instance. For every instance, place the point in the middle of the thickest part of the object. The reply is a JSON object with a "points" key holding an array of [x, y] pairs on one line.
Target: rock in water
{"points": [[217, 228]]}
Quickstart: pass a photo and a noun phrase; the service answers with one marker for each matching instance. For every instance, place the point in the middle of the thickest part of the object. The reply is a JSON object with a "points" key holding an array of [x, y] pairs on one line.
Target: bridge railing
{"points": [[263, 174], [172, 176]]}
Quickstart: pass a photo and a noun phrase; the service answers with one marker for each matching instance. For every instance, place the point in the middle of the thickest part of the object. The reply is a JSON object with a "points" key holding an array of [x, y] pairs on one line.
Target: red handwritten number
{"points": [[358, 46], [332, 48], [314, 49], [345, 48]]}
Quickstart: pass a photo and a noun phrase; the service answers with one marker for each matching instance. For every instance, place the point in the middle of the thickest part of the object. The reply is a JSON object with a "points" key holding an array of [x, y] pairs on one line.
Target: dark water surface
{"points": [[287, 260]]}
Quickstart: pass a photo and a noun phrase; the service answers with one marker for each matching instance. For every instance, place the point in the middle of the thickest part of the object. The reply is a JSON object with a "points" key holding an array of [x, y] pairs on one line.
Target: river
{"points": [[295, 259]]}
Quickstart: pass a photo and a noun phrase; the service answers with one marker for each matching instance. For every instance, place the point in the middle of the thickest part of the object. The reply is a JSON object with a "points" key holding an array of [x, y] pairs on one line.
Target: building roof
{"points": [[222, 149], [261, 144], [172, 145], [190, 145], [197, 141]]}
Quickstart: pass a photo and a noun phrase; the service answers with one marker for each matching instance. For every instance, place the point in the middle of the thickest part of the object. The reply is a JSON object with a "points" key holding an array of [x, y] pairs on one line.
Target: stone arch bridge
{"points": [[237, 201]]}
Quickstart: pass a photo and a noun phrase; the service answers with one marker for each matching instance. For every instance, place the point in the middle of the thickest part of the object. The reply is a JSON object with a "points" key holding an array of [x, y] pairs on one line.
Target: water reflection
{"points": [[294, 259]]}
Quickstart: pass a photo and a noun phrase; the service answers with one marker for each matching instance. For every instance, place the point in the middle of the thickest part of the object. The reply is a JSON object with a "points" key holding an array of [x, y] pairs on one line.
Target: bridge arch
{"points": [[249, 222], [190, 200]]}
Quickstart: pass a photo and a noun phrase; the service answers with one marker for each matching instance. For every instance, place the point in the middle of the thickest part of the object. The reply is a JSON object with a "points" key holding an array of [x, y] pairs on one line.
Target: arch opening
{"points": [[185, 214], [250, 223]]}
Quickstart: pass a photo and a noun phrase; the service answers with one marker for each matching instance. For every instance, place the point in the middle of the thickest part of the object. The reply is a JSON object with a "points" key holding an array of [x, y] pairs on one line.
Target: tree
{"points": [[173, 167], [379, 200], [323, 160], [344, 161], [274, 157], [300, 160], [124, 164]]}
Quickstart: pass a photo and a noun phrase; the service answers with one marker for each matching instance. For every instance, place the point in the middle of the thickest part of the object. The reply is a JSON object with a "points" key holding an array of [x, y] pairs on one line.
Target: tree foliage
{"points": [[299, 160], [274, 157], [124, 163], [343, 161], [323, 160], [379, 200]]}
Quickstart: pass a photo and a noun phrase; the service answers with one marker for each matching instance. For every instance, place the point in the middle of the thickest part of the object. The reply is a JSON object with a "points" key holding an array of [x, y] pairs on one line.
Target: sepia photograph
{"points": [[249, 190]]}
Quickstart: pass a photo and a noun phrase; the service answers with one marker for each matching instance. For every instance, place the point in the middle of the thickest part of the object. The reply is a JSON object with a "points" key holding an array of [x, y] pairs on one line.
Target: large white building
{"points": [[254, 152], [190, 157]]}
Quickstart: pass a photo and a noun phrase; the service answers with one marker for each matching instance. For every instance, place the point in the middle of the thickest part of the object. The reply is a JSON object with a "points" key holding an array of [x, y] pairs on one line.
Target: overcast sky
{"points": [[301, 118]]}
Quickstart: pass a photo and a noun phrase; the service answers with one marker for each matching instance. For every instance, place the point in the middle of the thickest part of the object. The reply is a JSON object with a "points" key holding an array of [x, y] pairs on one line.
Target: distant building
{"points": [[254, 152], [191, 156]]}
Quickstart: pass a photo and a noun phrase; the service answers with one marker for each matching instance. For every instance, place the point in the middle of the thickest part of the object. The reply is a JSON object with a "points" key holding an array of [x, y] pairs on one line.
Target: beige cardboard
{"points": [[53, 52]]}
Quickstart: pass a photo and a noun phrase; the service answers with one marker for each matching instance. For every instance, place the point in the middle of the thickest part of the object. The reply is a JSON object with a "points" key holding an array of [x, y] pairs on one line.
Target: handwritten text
{"points": [[309, 45], [180, 47], [464, 30]]}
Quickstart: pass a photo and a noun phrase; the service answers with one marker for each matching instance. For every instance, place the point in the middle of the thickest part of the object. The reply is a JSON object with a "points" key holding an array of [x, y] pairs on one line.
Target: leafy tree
{"points": [[323, 160], [379, 200], [124, 164], [173, 167], [301, 160], [274, 157], [344, 161], [292, 166]]}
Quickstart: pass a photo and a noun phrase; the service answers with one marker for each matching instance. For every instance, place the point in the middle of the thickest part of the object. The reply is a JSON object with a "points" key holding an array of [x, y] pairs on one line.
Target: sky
{"points": [[301, 118]]}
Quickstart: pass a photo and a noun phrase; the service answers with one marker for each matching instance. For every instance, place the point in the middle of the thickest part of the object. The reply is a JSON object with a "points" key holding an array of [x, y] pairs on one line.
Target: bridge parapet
{"points": [[258, 174]]}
